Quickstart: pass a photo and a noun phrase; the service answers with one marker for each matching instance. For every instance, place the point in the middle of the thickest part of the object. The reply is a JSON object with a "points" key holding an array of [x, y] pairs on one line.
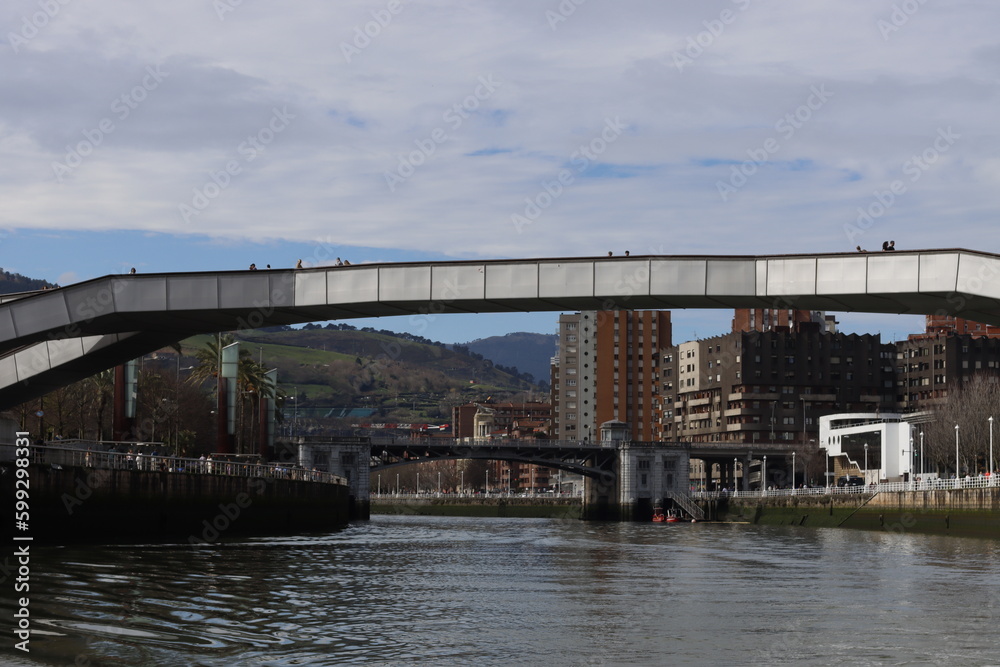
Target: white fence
{"points": [[980, 482]]}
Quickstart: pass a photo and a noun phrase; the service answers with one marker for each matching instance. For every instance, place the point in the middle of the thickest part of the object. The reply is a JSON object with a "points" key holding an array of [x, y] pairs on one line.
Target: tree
{"points": [[969, 406]]}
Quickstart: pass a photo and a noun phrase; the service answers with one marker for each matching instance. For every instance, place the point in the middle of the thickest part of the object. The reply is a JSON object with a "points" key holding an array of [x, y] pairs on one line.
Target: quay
{"points": [[537, 505], [968, 507], [81, 495]]}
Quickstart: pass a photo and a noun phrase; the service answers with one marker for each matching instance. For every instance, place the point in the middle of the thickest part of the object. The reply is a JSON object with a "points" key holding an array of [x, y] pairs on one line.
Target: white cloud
{"points": [[655, 187]]}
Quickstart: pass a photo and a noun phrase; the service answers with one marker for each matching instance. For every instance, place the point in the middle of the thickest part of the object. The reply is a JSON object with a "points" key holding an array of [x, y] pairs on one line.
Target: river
{"points": [[402, 590]]}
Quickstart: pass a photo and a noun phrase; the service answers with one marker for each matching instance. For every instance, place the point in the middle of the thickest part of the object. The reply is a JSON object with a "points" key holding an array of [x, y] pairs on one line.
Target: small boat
{"points": [[658, 515], [672, 517]]}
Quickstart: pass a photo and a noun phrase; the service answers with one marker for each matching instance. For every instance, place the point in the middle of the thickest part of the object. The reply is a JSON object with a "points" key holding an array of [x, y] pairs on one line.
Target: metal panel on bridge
{"points": [[404, 283], [731, 277], [979, 275], [791, 276], [460, 282], [565, 279], [512, 281], [841, 275], [893, 274], [141, 293], [193, 292]]}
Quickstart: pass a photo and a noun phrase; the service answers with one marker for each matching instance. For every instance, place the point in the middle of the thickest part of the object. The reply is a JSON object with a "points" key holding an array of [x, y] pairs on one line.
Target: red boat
{"points": [[670, 516]]}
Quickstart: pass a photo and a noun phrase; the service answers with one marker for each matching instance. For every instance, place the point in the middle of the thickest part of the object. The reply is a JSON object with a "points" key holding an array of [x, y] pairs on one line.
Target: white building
{"points": [[879, 446]]}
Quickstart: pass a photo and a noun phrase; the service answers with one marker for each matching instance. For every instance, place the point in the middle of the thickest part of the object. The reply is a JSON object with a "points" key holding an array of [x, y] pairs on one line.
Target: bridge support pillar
{"points": [[349, 458], [645, 475]]}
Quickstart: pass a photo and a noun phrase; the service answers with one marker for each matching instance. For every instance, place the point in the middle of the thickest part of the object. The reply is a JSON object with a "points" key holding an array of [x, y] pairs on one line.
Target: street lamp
{"points": [[735, 484], [826, 471], [487, 480], [763, 477], [461, 485], [418, 482], [439, 482], [397, 483], [991, 450], [379, 484], [793, 471], [866, 463], [956, 454], [921, 454]]}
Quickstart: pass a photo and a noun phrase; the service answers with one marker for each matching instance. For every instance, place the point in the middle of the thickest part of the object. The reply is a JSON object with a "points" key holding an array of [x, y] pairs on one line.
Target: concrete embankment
{"points": [[960, 512], [73, 504], [557, 508]]}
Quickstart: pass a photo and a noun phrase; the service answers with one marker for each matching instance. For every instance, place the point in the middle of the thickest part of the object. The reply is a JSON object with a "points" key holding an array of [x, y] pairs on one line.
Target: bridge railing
{"points": [[980, 482], [109, 460]]}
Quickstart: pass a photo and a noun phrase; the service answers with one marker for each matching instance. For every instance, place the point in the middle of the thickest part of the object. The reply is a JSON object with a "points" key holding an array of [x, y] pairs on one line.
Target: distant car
{"points": [[850, 481]]}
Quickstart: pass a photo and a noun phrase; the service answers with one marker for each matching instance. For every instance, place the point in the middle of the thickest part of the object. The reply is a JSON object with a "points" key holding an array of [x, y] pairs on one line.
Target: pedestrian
{"points": [[892, 245], [337, 262], [610, 253], [860, 249], [885, 246], [253, 267], [132, 272], [298, 264], [626, 253]]}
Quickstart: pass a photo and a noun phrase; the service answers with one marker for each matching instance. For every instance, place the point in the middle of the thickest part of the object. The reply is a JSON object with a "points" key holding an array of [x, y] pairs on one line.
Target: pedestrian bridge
{"points": [[49, 339]]}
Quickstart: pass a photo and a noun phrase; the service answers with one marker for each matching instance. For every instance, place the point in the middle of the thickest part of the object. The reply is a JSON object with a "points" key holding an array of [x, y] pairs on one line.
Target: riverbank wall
{"points": [[959, 512], [69, 504], [552, 508]]}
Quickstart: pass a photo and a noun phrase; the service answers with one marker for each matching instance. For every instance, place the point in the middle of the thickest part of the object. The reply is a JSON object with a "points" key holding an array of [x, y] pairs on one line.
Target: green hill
{"points": [[395, 377]]}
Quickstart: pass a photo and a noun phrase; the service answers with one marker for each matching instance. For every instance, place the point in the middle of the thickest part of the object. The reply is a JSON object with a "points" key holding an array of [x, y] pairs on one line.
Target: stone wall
{"points": [[73, 504]]}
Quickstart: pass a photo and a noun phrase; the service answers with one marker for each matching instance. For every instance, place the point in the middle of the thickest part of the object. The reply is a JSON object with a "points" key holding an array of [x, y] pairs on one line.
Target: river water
{"points": [[404, 590]]}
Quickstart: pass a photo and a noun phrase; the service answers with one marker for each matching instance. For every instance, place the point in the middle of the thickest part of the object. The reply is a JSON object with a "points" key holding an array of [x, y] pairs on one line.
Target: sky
{"points": [[190, 136]]}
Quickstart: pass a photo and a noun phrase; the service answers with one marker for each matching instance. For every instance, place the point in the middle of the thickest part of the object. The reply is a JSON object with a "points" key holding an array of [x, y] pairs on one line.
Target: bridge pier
{"points": [[348, 457]]}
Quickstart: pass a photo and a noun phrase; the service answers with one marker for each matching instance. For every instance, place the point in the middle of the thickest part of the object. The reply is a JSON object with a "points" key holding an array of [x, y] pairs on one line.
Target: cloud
{"points": [[419, 78]]}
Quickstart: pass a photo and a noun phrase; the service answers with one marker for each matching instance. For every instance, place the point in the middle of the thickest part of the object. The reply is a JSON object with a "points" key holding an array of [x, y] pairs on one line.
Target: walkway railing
{"points": [[473, 496], [982, 482], [109, 460]]}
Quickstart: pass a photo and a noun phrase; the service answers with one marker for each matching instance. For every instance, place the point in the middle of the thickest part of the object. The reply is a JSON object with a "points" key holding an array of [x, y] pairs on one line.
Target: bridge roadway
{"points": [[591, 459], [51, 338]]}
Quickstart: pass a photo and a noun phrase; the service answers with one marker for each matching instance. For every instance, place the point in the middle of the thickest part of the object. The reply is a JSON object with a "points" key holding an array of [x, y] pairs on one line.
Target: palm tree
{"points": [[251, 382]]}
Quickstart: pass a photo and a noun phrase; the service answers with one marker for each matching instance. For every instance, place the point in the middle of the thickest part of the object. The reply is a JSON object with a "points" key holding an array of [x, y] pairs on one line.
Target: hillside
{"points": [[390, 376], [527, 352], [11, 283]]}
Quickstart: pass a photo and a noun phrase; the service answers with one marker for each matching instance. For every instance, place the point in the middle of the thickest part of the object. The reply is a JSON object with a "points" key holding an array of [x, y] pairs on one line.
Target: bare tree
{"points": [[969, 406]]}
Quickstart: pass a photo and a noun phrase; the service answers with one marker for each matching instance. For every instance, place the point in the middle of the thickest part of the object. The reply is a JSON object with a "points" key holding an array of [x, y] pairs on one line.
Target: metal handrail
{"points": [[936, 484], [109, 460]]}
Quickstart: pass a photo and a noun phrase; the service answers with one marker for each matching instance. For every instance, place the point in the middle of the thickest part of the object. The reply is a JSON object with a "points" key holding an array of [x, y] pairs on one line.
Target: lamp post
{"points": [[866, 463], [461, 484], [793, 471], [826, 472], [736, 486], [439, 482], [921, 453], [991, 450], [913, 454], [763, 477], [379, 484], [397, 483], [487, 480], [418, 483], [956, 454]]}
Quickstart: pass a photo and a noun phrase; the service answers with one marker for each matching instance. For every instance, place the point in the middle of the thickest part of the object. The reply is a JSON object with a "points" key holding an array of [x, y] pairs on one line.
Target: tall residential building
{"points": [[928, 365], [607, 368], [765, 386], [574, 378]]}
